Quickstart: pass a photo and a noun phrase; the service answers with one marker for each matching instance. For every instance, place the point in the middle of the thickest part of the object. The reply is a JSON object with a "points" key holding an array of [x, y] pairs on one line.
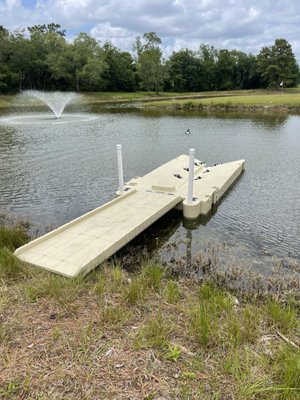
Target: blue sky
{"points": [[28, 3], [246, 25]]}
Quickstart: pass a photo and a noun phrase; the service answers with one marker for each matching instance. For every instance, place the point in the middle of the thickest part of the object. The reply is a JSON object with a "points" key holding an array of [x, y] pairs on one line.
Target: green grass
{"points": [[283, 317], [259, 99], [125, 96], [143, 334], [5, 101], [190, 100], [11, 238], [155, 333], [10, 267], [287, 370], [262, 101], [172, 292]]}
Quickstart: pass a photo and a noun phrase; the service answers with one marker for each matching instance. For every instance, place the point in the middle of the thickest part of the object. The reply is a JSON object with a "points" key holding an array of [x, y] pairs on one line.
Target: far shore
{"points": [[236, 100]]}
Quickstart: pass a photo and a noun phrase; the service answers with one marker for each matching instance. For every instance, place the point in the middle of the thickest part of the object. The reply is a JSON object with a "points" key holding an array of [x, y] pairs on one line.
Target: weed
{"points": [[150, 396], [6, 332], [283, 317], [84, 342], [155, 333], [114, 315], [11, 268], [217, 299], [15, 389], [56, 334], [118, 276], [101, 285], [244, 367], [188, 375], [12, 238], [152, 275], [62, 290], [242, 327], [188, 104], [172, 292], [173, 353], [202, 325], [287, 367], [135, 292], [110, 280], [214, 306]]}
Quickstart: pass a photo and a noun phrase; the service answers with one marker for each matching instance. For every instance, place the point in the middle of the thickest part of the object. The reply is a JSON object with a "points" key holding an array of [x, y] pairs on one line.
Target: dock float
{"points": [[82, 244]]}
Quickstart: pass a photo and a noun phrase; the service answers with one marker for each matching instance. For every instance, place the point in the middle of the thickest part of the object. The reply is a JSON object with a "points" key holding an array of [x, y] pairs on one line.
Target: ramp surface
{"points": [[84, 243]]}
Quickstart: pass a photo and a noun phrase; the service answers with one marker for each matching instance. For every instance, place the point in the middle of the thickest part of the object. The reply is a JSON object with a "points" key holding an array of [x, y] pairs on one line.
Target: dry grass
{"points": [[144, 335]]}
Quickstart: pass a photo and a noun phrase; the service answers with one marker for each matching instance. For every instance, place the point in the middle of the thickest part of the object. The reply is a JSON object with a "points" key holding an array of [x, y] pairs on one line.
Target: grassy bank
{"points": [[106, 97], [254, 102], [5, 101], [229, 100], [141, 335]]}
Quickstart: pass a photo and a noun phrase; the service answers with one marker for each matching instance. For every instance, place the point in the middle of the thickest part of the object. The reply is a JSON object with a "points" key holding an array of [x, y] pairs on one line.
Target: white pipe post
{"points": [[120, 168], [191, 175]]}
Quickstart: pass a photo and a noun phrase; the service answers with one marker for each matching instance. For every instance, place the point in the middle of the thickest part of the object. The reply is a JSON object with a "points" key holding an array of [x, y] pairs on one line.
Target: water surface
{"points": [[53, 172]]}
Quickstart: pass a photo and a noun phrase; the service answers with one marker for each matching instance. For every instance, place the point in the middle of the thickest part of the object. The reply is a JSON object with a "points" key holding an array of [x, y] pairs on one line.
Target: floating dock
{"points": [[82, 244]]}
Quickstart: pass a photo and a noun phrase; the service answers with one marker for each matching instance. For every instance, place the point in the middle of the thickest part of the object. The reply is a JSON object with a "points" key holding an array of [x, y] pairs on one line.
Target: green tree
{"points": [[185, 71], [60, 65], [44, 39], [5, 53], [49, 28], [208, 56], [150, 68], [225, 70], [91, 75], [119, 73], [21, 61], [245, 75], [277, 64], [89, 63]]}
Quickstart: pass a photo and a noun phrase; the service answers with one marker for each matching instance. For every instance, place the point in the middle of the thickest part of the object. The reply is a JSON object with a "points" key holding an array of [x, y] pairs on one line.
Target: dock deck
{"points": [[82, 244]]}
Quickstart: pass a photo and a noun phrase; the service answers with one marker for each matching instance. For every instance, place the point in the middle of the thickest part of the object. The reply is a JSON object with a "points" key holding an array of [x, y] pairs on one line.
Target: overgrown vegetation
{"points": [[142, 335]]}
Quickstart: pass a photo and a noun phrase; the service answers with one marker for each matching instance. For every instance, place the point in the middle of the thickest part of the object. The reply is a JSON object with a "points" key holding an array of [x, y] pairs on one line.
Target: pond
{"points": [[51, 173]]}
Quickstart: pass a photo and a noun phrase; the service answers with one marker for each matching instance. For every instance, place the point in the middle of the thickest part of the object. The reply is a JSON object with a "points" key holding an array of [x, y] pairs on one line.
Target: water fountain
{"points": [[56, 102]]}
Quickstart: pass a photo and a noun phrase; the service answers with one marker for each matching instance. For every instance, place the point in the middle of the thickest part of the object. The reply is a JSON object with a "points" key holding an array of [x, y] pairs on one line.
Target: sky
{"points": [[245, 25]]}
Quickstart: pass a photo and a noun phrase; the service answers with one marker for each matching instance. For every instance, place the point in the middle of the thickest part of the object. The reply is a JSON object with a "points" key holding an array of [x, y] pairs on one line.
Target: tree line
{"points": [[41, 58]]}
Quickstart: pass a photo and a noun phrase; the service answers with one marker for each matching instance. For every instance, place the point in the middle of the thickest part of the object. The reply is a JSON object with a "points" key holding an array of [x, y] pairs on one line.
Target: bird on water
{"points": [[187, 132]]}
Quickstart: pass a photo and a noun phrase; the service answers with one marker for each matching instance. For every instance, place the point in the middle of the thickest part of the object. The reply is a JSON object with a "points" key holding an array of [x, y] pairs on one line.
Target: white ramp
{"points": [[84, 243]]}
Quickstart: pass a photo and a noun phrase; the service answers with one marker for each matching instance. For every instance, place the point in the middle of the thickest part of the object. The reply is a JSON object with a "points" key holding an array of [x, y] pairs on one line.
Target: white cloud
{"points": [[12, 3], [247, 25], [119, 37]]}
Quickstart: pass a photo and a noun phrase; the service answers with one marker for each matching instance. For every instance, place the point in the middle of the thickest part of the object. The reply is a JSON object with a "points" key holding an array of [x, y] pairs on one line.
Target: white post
{"points": [[191, 176], [120, 168]]}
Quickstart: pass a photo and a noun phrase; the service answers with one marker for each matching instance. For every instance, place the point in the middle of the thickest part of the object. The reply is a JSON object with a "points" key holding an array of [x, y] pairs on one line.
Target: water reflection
{"points": [[265, 119], [189, 241], [271, 121]]}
